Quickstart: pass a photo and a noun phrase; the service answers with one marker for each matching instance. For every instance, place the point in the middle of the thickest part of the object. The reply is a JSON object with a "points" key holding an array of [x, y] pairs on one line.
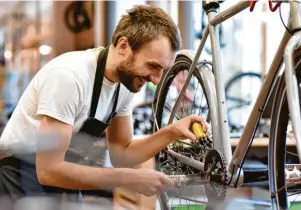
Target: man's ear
{"points": [[123, 46]]}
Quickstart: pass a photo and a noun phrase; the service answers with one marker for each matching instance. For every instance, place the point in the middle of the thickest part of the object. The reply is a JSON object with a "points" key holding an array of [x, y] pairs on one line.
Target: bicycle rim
{"points": [[284, 181]]}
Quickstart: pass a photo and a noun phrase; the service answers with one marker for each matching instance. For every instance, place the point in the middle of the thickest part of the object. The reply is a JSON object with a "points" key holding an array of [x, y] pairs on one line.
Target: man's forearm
{"points": [[141, 150], [78, 177]]}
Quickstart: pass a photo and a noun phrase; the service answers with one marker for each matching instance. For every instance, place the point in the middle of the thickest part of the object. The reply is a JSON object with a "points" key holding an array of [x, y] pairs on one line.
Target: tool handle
{"points": [[198, 131]]}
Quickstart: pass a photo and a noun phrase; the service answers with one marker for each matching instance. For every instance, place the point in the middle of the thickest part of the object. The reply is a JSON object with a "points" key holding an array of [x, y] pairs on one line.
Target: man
{"points": [[89, 92]]}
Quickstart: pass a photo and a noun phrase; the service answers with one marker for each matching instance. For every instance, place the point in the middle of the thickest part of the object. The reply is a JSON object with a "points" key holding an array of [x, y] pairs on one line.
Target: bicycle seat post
{"points": [[211, 4], [295, 15]]}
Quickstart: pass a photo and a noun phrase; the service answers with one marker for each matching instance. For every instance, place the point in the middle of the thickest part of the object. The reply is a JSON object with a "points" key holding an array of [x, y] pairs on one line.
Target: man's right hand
{"points": [[147, 182]]}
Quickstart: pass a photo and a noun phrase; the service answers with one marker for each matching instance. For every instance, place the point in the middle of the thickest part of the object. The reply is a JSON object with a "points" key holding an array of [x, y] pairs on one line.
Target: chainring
{"points": [[216, 172]]}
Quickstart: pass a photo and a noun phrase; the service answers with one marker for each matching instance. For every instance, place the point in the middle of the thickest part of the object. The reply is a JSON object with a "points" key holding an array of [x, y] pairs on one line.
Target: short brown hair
{"points": [[144, 23]]}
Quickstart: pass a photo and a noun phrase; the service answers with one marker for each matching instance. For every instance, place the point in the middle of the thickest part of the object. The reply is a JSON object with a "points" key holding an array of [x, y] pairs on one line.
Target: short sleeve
{"points": [[127, 107], [59, 95]]}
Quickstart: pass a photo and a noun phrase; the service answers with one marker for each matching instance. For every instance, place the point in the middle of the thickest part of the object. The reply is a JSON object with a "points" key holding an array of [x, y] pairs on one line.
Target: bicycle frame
{"points": [[220, 130]]}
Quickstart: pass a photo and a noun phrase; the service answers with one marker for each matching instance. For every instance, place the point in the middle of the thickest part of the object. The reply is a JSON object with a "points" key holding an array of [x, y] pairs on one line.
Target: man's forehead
{"points": [[163, 59], [161, 63]]}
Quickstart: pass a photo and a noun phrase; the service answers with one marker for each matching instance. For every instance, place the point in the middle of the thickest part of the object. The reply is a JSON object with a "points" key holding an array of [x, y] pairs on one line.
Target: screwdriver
{"points": [[198, 131]]}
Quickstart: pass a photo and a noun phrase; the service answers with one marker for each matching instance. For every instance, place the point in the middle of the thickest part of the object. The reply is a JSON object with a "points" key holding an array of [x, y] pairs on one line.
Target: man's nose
{"points": [[155, 78]]}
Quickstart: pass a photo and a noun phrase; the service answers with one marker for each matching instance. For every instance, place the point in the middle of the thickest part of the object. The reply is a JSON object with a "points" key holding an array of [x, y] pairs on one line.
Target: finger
{"points": [[190, 135], [166, 181], [196, 118], [205, 126]]}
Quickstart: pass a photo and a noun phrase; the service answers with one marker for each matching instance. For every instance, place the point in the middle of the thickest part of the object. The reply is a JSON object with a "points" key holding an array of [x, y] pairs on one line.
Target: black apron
{"points": [[18, 174]]}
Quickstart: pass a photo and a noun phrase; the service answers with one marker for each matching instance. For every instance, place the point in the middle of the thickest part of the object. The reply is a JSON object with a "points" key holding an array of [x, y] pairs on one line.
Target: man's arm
{"points": [[126, 152], [52, 170], [58, 102]]}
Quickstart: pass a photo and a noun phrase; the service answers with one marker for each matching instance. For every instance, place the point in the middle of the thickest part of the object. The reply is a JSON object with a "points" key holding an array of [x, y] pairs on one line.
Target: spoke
{"points": [[201, 104], [190, 169], [292, 203], [182, 106], [283, 187], [294, 193], [194, 98], [170, 109], [179, 90], [196, 201], [186, 107], [291, 153]]}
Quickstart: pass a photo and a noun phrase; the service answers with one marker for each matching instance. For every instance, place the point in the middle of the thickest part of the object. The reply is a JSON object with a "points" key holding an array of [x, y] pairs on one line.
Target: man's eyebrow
{"points": [[155, 64]]}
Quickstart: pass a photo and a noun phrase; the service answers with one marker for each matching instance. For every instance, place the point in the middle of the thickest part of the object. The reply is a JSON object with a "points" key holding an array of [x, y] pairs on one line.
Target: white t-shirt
{"points": [[62, 89]]}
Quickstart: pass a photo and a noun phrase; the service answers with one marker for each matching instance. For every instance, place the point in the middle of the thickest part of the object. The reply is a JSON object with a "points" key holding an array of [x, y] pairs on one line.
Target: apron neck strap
{"points": [[100, 71], [113, 113]]}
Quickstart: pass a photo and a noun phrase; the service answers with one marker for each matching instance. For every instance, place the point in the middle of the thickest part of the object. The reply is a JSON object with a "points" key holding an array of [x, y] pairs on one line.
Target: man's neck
{"points": [[110, 71]]}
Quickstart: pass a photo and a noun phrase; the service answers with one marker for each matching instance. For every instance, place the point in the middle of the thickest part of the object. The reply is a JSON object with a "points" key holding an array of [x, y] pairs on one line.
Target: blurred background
{"points": [[34, 32]]}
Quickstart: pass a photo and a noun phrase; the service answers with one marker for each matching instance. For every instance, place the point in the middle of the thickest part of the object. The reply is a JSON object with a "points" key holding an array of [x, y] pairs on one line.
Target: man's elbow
{"points": [[43, 176], [47, 175], [121, 163], [116, 163]]}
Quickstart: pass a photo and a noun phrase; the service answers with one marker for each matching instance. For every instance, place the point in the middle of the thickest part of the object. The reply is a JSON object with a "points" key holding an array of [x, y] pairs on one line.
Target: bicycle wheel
{"points": [[284, 165], [240, 98], [195, 101]]}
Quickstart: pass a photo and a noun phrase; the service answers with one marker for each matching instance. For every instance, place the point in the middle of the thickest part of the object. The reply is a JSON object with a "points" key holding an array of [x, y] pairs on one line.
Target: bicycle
{"points": [[211, 159]]}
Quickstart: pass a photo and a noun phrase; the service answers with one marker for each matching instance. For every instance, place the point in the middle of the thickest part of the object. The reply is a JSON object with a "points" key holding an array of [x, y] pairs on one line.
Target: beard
{"points": [[127, 80], [126, 76]]}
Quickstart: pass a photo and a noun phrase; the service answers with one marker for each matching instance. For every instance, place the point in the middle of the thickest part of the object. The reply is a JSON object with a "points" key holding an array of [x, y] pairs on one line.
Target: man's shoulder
{"points": [[125, 94], [75, 63], [72, 60]]}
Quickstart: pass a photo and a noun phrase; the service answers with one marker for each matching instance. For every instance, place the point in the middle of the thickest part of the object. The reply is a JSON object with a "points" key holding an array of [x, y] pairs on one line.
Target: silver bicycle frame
{"points": [[221, 132]]}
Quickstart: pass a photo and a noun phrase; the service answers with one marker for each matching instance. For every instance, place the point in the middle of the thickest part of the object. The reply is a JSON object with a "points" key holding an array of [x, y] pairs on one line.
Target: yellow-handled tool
{"points": [[198, 131]]}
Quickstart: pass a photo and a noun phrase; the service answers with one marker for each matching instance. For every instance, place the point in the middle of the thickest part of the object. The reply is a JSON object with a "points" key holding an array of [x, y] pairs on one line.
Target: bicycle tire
{"points": [[277, 143], [181, 63]]}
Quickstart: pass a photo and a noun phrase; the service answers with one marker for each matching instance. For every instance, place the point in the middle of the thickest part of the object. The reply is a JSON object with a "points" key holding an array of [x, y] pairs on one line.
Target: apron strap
{"points": [[100, 71], [113, 113]]}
